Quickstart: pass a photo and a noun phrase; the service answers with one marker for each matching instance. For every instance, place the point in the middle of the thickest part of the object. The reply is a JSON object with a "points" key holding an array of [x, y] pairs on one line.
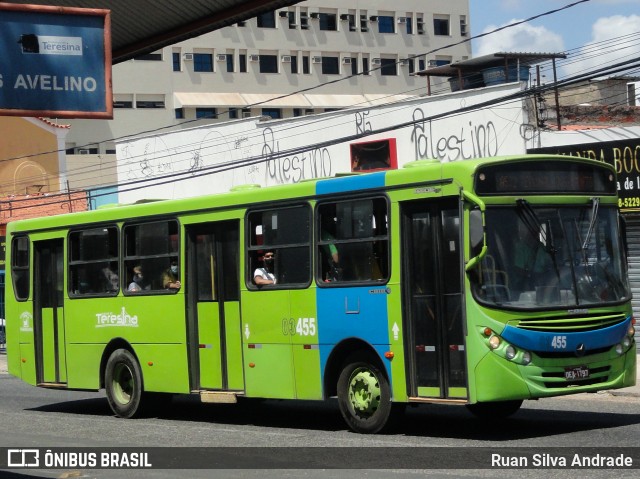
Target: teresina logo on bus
{"points": [[113, 319]]}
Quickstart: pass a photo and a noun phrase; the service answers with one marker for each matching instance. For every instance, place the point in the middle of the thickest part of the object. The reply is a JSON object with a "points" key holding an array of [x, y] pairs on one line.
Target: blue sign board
{"points": [[55, 62]]}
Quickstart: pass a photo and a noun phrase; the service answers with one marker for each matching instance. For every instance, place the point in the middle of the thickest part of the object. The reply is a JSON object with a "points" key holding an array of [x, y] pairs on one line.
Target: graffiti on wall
{"points": [[470, 141]]}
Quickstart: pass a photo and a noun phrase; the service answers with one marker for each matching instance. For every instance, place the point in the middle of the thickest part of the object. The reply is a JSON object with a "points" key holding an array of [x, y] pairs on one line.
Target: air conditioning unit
{"points": [[221, 57], [344, 16], [402, 19], [284, 14], [376, 61], [432, 63], [373, 18], [246, 114], [316, 59], [314, 15], [404, 62], [84, 152], [254, 58], [187, 57], [346, 60], [285, 58]]}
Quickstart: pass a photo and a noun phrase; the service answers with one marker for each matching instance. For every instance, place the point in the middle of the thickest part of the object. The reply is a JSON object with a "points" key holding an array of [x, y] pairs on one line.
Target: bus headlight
{"points": [[510, 352], [494, 342], [619, 349], [526, 358], [626, 342], [631, 331]]}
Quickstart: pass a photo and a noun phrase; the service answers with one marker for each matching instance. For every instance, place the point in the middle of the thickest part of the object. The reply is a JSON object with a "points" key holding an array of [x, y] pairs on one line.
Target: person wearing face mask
{"points": [[137, 284], [264, 275], [170, 278]]}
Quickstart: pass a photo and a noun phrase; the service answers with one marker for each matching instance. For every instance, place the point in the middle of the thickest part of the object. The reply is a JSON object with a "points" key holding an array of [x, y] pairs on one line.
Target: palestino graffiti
{"points": [[315, 163], [472, 141]]}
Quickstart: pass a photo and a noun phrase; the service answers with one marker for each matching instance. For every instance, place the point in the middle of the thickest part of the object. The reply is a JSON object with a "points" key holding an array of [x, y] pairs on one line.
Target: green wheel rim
{"points": [[122, 383], [364, 392]]}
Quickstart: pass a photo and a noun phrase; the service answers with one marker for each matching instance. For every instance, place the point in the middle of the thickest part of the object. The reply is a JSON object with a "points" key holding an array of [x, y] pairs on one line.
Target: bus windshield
{"points": [[551, 257]]}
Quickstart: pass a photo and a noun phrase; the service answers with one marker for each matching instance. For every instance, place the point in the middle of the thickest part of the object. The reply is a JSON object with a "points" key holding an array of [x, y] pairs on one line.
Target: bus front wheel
{"points": [[495, 409], [364, 396], [123, 383]]}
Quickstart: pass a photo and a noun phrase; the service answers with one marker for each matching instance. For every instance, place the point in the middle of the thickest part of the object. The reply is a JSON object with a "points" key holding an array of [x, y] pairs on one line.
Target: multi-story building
{"points": [[312, 57]]}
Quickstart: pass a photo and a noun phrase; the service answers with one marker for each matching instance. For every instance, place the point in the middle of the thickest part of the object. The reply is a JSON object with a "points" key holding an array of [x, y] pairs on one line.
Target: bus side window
{"points": [[20, 254], [93, 261], [152, 247], [285, 232]]}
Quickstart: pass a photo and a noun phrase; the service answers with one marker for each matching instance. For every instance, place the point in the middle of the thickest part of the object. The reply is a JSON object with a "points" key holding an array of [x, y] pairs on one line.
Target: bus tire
{"points": [[495, 409], [364, 396], [123, 383]]}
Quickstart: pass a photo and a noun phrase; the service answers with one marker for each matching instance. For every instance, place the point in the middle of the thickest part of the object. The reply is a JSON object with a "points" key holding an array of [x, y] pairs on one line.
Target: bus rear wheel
{"points": [[495, 409], [364, 396], [123, 383]]}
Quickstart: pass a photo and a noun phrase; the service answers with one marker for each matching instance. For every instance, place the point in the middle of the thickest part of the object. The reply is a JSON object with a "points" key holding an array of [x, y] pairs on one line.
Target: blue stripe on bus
{"points": [[544, 341], [350, 183], [354, 312]]}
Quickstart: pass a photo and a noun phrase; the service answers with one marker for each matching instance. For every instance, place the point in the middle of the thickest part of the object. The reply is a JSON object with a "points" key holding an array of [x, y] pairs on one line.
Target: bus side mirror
{"points": [[477, 235]]}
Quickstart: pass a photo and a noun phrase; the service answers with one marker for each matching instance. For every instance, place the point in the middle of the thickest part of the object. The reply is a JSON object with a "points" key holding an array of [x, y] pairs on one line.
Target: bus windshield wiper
{"points": [[530, 219], [595, 203]]}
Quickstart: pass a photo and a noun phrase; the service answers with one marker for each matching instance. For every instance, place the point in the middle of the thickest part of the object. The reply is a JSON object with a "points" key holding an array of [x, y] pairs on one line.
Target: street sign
{"points": [[55, 62]]}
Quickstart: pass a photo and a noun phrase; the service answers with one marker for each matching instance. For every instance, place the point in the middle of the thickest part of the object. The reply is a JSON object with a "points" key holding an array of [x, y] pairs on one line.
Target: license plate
{"points": [[578, 372]]}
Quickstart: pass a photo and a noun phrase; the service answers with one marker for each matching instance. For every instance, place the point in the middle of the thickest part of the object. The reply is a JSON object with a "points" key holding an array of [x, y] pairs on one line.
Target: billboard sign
{"points": [[55, 62]]}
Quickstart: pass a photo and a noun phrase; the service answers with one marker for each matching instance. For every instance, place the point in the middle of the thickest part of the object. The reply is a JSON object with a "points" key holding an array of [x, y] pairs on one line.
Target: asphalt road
{"points": [[311, 436]]}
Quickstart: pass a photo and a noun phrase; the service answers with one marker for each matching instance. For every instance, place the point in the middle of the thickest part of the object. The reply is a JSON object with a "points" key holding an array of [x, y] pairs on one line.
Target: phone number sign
{"points": [[55, 62]]}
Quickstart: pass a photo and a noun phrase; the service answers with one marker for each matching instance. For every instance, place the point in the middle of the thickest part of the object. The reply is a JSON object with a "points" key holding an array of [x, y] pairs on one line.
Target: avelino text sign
{"points": [[55, 62]]}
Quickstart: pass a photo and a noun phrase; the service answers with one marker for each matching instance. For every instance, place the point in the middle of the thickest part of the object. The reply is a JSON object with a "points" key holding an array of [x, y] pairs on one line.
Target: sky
{"points": [[593, 33]]}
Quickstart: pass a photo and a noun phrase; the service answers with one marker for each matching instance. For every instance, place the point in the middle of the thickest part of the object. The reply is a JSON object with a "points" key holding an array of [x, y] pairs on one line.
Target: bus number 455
{"points": [[304, 327], [559, 342]]}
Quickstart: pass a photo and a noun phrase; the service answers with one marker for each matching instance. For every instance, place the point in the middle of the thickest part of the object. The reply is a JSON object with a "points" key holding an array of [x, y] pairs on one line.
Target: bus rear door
{"points": [[433, 299], [213, 291], [48, 321]]}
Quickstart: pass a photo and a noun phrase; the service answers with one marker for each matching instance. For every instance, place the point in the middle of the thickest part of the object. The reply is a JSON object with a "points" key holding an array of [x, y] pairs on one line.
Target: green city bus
{"points": [[479, 283]]}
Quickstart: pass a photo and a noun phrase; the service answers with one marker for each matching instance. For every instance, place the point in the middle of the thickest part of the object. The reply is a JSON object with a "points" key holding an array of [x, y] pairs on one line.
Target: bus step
{"points": [[218, 397], [437, 400], [52, 385]]}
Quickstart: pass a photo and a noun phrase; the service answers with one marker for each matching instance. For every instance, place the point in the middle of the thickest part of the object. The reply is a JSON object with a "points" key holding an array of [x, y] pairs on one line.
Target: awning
{"points": [[386, 99], [262, 100], [194, 99], [337, 101]]}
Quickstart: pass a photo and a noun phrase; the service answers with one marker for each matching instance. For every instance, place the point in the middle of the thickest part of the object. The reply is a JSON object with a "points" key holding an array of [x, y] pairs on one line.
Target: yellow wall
{"points": [[34, 147]]}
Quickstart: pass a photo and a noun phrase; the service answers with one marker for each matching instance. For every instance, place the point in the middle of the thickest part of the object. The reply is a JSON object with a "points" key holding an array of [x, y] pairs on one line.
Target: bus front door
{"points": [[433, 300], [48, 312], [213, 312]]}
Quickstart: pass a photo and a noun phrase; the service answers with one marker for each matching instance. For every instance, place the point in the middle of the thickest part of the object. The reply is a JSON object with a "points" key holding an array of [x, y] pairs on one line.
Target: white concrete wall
{"points": [[286, 151]]}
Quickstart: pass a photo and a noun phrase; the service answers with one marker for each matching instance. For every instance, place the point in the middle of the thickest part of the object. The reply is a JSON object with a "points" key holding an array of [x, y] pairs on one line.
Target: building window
{"points": [[364, 27], [275, 113], [93, 262], [304, 21], [412, 65], [205, 113], [294, 64], [122, 103], [409, 25], [354, 66], [155, 57], [268, 63], [229, 58], [242, 63], [330, 65], [179, 113], [386, 24], [374, 155], [305, 65], [388, 67], [149, 103], [292, 20], [420, 26], [202, 62], [352, 22], [267, 20], [463, 26], [286, 233], [441, 25], [328, 21], [365, 66], [151, 248], [233, 113], [297, 112], [175, 56]]}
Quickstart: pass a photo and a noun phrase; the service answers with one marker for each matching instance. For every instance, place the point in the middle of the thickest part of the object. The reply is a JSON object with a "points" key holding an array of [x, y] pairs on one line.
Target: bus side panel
{"points": [[85, 373], [233, 333], [306, 353], [396, 334], [164, 367], [354, 312], [266, 336], [27, 369]]}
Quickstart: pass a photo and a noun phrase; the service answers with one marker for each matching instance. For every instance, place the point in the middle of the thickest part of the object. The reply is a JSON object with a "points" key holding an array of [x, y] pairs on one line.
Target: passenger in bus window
{"points": [[138, 284], [111, 280], [171, 278], [264, 275]]}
